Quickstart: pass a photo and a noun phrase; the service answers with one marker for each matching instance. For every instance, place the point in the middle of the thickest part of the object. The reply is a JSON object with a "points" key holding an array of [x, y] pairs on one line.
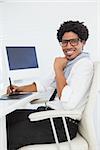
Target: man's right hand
{"points": [[12, 90], [26, 88]]}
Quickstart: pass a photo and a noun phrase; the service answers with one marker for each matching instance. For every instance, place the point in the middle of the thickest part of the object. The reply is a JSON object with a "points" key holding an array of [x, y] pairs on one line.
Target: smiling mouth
{"points": [[69, 52]]}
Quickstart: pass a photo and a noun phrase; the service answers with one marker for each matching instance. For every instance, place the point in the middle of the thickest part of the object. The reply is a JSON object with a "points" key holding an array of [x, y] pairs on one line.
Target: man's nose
{"points": [[69, 45]]}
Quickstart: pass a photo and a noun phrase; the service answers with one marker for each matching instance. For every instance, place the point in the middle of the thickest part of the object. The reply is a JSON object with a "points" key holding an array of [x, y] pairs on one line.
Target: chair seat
{"points": [[77, 143]]}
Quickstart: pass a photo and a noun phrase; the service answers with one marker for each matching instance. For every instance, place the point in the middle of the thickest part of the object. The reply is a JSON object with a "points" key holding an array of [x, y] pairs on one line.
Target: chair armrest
{"points": [[52, 114]]}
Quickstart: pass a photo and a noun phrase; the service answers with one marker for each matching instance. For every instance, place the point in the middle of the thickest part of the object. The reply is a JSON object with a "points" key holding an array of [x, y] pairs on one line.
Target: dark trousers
{"points": [[21, 132]]}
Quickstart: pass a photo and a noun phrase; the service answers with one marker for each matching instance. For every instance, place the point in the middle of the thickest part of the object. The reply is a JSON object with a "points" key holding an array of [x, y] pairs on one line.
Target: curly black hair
{"points": [[73, 26]]}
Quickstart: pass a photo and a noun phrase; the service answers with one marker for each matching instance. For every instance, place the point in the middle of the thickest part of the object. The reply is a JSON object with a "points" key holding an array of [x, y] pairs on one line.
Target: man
{"points": [[72, 80]]}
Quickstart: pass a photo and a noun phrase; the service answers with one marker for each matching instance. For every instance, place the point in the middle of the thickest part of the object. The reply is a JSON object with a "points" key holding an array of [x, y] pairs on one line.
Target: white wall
{"points": [[36, 23], [1, 39]]}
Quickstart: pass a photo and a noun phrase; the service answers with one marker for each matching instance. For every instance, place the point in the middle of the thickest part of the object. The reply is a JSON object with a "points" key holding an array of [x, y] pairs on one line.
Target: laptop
{"points": [[15, 96]]}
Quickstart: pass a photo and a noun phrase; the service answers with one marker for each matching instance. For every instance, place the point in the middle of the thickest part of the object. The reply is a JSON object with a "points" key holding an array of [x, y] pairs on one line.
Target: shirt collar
{"points": [[81, 55]]}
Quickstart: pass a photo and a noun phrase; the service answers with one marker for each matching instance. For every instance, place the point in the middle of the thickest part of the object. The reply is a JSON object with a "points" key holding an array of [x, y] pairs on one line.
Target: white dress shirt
{"points": [[74, 94]]}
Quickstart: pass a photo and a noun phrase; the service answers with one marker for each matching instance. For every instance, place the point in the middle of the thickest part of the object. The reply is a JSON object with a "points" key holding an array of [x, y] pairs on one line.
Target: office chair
{"points": [[85, 139]]}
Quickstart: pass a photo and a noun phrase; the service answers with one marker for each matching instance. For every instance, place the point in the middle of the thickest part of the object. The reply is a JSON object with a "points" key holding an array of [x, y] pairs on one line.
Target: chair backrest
{"points": [[86, 127]]}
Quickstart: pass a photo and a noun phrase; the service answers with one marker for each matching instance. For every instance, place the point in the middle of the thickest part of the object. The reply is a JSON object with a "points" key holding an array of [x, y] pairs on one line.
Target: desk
{"points": [[7, 106]]}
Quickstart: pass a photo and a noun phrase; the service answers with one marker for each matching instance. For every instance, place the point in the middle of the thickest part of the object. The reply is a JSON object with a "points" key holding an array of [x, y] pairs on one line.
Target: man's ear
{"points": [[84, 42]]}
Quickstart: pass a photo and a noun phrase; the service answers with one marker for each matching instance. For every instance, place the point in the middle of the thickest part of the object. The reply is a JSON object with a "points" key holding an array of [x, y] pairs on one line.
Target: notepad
{"points": [[15, 96]]}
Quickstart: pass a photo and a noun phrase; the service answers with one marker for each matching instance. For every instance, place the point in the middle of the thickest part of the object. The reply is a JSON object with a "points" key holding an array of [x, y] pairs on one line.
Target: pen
{"points": [[11, 87]]}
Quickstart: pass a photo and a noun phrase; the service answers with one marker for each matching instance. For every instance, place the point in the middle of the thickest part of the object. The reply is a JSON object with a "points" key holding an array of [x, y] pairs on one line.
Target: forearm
{"points": [[28, 88], [60, 81]]}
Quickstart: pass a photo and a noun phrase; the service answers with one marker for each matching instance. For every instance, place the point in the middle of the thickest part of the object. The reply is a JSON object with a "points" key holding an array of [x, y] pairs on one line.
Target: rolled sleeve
{"points": [[39, 86], [66, 93], [43, 84]]}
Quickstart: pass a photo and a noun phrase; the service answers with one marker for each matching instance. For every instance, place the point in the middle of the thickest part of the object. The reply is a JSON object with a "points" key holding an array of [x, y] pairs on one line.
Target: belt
{"points": [[75, 121]]}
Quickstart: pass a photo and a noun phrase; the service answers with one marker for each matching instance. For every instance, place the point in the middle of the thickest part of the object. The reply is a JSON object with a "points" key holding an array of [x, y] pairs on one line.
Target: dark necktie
{"points": [[53, 95]]}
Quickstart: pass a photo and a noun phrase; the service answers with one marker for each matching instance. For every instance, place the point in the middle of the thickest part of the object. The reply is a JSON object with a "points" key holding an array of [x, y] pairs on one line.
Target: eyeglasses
{"points": [[73, 42]]}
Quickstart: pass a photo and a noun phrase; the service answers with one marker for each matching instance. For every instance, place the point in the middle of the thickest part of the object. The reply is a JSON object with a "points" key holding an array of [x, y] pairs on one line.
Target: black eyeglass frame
{"points": [[73, 42]]}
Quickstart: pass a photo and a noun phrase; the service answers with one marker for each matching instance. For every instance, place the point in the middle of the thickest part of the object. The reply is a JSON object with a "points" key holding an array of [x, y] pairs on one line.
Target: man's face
{"points": [[71, 45]]}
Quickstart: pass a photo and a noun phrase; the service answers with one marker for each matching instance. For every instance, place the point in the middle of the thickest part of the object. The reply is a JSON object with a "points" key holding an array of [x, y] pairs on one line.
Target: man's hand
{"points": [[12, 90], [26, 88], [60, 63]]}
